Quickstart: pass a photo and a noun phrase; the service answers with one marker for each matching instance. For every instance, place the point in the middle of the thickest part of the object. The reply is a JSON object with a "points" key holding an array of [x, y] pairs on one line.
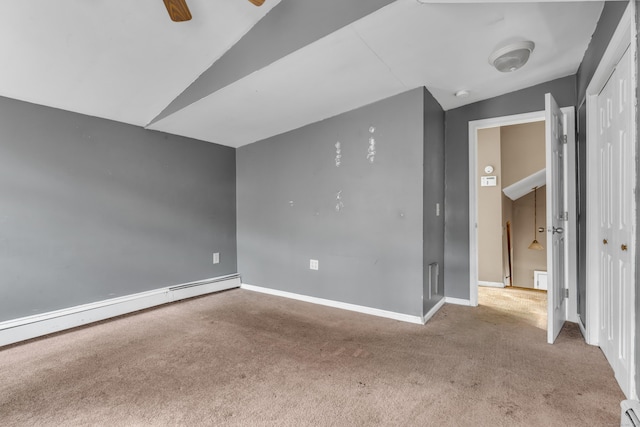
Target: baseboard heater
{"points": [[629, 413], [24, 328], [195, 288]]}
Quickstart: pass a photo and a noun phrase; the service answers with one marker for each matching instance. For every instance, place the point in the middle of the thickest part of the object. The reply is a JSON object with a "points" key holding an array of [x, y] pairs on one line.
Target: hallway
{"points": [[528, 305]]}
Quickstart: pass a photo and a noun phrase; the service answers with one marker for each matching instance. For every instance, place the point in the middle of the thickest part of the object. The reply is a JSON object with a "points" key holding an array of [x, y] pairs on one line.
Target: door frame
{"points": [[623, 37], [570, 189]]}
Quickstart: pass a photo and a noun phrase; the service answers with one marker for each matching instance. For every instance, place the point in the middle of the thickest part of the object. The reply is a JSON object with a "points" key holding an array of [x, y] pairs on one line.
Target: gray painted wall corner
{"points": [[369, 240], [433, 200]]}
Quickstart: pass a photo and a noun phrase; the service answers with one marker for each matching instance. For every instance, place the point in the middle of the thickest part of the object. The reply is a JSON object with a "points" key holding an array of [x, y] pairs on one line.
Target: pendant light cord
{"points": [[535, 211]]}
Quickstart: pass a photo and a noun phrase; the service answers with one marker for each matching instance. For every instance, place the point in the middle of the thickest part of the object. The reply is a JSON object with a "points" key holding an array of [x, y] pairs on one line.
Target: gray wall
{"points": [[456, 256], [370, 252], [637, 341], [607, 24], [433, 192], [92, 209]]}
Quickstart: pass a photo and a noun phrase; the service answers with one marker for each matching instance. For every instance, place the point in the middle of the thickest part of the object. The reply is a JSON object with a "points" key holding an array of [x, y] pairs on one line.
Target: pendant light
{"points": [[535, 245]]}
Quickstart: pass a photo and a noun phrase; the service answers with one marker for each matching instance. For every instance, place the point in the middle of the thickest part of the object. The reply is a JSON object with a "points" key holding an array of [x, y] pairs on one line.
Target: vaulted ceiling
{"points": [[236, 73]]}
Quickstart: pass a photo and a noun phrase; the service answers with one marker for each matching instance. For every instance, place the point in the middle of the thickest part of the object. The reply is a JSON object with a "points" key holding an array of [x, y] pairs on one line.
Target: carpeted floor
{"points": [[246, 359], [526, 305]]}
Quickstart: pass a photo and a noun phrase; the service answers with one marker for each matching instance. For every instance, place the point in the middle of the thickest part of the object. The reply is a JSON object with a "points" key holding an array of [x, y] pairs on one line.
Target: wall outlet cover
{"points": [[313, 264], [216, 257]]}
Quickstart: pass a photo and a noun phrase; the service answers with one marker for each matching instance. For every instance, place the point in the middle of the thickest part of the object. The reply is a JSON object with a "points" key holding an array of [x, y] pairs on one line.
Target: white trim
{"points": [[24, 328], [582, 329], [592, 271], [624, 37], [336, 304], [571, 226], [474, 126], [459, 301], [491, 284], [433, 310]]}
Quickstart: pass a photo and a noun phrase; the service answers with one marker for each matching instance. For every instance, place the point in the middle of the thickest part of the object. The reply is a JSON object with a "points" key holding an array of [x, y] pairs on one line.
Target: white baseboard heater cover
{"points": [[24, 328], [629, 413]]}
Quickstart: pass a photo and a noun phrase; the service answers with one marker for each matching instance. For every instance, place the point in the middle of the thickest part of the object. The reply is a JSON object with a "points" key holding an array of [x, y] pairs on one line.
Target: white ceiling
{"points": [[126, 61], [118, 59]]}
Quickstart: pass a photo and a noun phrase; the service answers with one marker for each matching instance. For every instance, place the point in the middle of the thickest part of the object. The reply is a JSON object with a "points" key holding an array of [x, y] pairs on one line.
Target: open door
{"points": [[555, 129]]}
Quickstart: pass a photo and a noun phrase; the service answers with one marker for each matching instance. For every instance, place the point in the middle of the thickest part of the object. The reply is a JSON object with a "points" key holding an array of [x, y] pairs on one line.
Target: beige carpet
{"points": [[246, 359], [526, 305]]}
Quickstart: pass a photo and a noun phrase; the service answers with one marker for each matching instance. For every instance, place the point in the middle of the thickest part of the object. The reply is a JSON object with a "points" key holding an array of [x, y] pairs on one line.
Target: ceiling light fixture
{"points": [[462, 94], [512, 56]]}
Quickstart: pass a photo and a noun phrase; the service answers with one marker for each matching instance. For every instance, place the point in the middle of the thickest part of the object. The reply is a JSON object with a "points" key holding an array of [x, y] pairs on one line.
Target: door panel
{"points": [[605, 180], [622, 227], [616, 229], [556, 302]]}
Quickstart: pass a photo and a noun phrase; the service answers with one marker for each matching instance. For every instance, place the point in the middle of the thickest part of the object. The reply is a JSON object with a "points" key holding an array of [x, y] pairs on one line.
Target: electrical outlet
{"points": [[216, 257], [313, 264]]}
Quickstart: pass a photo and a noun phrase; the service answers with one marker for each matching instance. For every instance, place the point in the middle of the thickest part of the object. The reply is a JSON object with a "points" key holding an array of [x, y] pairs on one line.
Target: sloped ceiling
{"points": [[237, 74], [118, 59]]}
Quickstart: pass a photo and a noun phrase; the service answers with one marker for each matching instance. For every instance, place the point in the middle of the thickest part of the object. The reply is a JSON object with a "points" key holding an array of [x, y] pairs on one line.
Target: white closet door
{"points": [[616, 174]]}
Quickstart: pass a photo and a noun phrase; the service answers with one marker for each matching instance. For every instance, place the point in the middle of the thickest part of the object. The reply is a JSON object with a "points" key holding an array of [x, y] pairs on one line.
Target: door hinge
{"points": [[566, 292], [564, 139]]}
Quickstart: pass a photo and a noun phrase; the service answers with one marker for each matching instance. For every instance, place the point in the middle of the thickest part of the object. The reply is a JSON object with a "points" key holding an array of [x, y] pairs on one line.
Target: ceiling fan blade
{"points": [[257, 2], [178, 10]]}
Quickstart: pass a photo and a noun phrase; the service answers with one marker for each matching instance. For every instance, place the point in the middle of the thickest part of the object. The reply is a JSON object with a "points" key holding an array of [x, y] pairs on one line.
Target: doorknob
{"points": [[558, 230], [604, 241], [623, 247]]}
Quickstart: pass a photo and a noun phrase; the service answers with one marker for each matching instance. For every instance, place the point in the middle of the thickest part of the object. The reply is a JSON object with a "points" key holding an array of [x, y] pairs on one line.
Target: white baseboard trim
{"points": [[24, 328], [457, 301], [491, 284], [584, 331], [336, 304], [433, 310]]}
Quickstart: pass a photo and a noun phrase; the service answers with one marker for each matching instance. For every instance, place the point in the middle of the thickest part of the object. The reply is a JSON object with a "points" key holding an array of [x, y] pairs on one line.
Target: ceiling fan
{"points": [[179, 11]]}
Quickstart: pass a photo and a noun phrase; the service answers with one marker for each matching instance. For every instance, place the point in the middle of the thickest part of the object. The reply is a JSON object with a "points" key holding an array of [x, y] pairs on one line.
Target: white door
{"points": [[605, 218], [616, 175], [555, 137]]}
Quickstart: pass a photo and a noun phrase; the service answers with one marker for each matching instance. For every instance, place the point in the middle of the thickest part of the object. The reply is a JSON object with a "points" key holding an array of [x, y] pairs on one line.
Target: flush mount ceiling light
{"points": [[512, 56], [462, 94]]}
